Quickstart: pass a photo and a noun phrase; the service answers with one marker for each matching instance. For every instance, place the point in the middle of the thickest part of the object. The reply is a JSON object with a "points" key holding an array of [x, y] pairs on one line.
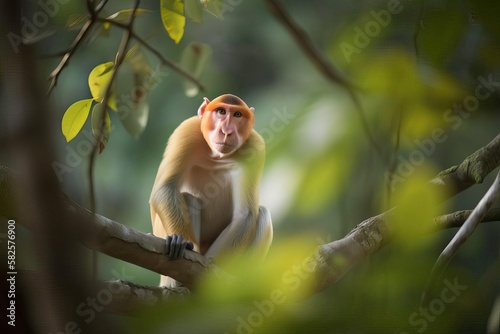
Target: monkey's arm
{"points": [[169, 210]]}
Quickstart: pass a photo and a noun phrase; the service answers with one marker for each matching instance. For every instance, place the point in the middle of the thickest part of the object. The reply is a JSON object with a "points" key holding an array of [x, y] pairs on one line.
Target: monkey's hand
{"points": [[175, 246]]}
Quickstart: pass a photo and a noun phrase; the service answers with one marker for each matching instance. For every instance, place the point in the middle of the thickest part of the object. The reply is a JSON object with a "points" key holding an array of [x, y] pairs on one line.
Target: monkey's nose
{"points": [[226, 131]]}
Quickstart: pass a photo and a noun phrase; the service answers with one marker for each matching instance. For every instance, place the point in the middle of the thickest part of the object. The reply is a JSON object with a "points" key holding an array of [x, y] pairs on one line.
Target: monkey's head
{"points": [[226, 123]]}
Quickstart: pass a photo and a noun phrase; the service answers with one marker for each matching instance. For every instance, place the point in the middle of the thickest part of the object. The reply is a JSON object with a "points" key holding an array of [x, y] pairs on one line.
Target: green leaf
{"points": [[172, 16], [194, 59], [74, 118], [194, 10], [97, 118], [214, 7], [132, 85], [99, 79]]}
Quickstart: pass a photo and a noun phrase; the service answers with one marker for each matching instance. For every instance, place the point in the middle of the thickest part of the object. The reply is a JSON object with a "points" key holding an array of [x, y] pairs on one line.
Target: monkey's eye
{"points": [[221, 111], [238, 114]]}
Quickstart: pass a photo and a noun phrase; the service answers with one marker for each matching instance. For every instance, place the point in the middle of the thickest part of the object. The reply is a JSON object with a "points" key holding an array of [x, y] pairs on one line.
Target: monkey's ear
{"points": [[203, 106], [252, 109]]}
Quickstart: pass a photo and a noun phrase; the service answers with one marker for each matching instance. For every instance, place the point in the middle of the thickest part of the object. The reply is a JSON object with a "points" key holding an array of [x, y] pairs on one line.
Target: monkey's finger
{"points": [[182, 248], [177, 246], [168, 243], [189, 245], [170, 246]]}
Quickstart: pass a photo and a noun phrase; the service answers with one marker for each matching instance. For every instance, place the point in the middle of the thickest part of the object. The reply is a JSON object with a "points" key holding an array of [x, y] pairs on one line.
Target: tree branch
{"points": [[72, 49], [164, 61], [68, 53], [120, 56], [87, 27], [331, 261], [465, 231], [335, 259], [471, 171], [326, 68], [456, 219], [116, 240]]}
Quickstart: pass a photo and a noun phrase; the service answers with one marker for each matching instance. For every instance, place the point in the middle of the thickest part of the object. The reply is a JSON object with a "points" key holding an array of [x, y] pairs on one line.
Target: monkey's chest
{"points": [[214, 189]]}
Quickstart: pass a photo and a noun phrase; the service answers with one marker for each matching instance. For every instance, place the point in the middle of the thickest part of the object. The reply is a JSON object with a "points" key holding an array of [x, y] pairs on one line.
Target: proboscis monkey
{"points": [[206, 193]]}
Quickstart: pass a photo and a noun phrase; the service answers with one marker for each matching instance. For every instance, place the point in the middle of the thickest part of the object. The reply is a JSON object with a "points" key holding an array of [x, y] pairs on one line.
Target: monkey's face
{"points": [[227, 129], [225, 126]]}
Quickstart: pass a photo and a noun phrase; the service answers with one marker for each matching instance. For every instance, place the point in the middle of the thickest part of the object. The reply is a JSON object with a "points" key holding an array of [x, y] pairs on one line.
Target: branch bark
{"points": [[471, 171]]}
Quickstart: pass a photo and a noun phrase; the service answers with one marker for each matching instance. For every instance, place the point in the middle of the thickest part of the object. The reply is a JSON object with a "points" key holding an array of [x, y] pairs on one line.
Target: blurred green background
{"points": [[414, 68]]}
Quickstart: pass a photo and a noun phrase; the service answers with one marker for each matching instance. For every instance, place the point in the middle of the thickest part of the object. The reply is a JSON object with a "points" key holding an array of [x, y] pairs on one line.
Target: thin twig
{"points": [[120, 56], [324, 67], [306, 45], [163, 60], [458, 218], [393, 161], [71, 51], [87, 27], [477, 216], [54, 54]]}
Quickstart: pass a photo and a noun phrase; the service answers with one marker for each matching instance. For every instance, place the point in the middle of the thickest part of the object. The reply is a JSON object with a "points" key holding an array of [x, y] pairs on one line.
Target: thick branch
{"points": [[471, 171], [117, 240], [332, 260], [335, 259]]}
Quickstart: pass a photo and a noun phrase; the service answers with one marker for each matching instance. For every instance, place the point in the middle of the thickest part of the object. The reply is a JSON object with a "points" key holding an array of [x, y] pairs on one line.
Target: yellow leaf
{"points": [[99, 79], [74, 118], [172, 16]]}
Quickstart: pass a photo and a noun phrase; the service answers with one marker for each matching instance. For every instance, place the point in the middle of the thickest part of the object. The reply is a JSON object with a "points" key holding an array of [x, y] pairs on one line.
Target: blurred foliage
{"points": [[418, 66]]}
